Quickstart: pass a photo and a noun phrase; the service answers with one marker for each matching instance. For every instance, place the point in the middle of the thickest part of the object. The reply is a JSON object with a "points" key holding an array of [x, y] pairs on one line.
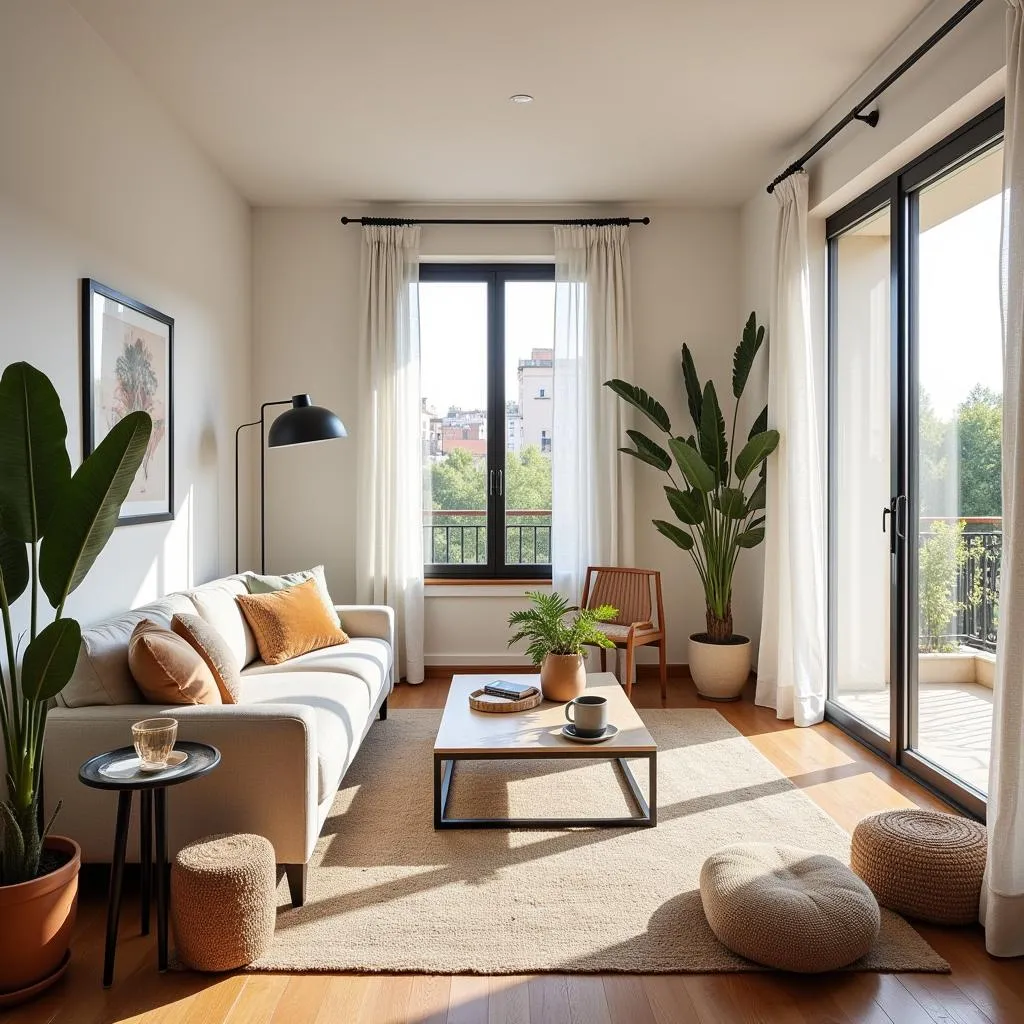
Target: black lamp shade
{"points": [[304, 422]]}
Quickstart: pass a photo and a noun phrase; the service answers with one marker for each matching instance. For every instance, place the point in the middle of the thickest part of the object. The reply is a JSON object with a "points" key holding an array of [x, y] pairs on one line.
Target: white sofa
{"points": [[285, 747]]}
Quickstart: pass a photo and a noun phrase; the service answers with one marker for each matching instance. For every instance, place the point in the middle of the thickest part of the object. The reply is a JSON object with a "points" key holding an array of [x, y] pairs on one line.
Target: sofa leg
{"points": [[296, 874], [384, 710]]}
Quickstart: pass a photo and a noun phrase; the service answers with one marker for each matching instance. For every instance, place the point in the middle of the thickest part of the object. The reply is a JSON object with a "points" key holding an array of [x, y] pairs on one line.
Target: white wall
{"points": [[686, 274], [96, 181]]}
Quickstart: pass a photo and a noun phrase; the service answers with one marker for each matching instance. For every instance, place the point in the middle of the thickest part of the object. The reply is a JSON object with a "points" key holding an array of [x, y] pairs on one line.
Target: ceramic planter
{"points": [[719, 671], [38, 917], [563, 677]]}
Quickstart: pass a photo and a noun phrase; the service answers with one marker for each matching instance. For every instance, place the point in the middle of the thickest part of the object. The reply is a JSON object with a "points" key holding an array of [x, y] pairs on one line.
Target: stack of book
{"points": [[510, 690]]}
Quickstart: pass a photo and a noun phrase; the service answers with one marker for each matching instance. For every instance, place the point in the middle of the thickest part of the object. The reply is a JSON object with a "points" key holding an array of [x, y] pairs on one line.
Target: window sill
{"points": [[482, 587]]}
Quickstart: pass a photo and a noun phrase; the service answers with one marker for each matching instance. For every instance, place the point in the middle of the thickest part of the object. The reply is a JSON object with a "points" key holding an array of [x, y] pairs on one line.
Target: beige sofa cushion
{"points": [[216, 603], [341, 684], [102, 675], [214, 650]]}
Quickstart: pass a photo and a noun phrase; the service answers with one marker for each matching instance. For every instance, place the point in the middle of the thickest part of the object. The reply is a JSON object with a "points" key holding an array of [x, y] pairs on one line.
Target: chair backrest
{"points": [[628, 590]]}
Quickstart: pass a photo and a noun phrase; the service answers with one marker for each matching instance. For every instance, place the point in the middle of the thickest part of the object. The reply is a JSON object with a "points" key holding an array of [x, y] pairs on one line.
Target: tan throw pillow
{"points": [[257, 584], [167, 669], [290, 622], [214, 650]]}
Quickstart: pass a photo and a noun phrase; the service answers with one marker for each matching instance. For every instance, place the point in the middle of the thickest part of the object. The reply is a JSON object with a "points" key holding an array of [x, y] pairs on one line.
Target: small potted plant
{"points": [[556, 645], [53, 524], [718, 504]]}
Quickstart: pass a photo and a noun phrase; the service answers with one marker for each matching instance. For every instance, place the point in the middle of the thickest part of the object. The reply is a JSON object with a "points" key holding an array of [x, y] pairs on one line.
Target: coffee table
{"points": [[468, 735]]}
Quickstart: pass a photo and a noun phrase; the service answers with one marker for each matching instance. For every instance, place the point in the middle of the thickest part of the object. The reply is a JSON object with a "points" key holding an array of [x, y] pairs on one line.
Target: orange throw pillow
{"points": [[290, 622], [167, 669]]}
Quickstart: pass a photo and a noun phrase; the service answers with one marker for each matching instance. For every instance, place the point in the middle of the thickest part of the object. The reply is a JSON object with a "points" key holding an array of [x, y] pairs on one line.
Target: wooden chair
{"points": [[630, 591]]}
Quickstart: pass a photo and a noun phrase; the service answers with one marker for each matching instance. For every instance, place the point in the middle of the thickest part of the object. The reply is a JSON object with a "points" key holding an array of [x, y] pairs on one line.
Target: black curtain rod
{"points": [[871, 118], [584, 222]]}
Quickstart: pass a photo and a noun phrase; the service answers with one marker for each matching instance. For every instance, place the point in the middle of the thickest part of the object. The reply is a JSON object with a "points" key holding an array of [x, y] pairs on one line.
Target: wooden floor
{"points": [[834, 771]]}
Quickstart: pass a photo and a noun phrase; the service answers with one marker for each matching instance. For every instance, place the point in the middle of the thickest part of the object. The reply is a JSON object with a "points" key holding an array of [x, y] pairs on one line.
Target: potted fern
{"points": [[53, 524], [556, 645], [718, 505]]}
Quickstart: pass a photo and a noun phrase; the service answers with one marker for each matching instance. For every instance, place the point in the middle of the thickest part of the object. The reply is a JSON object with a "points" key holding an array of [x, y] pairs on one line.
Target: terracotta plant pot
{"points": [[563, 677], [38, 917], [719, 671]]}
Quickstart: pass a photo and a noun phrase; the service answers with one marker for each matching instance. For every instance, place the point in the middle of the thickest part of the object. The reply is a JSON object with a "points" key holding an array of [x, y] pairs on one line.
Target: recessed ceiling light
{"points": [[521, 97]]}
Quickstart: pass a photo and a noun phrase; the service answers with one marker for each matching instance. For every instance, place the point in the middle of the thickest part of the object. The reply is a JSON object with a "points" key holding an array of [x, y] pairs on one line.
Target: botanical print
{"points": [[134, 378]]}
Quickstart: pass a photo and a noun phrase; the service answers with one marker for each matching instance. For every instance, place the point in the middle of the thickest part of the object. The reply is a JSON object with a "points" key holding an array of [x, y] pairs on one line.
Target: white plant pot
{"points": [[719, 671]]}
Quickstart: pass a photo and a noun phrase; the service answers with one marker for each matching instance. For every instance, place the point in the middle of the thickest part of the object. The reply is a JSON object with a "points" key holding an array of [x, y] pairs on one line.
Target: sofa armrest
{"points": [[266, 782], [369, 620]]}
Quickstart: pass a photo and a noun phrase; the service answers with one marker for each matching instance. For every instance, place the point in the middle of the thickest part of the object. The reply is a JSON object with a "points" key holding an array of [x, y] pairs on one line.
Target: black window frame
{"points": [[495, 276], [899, 193]]}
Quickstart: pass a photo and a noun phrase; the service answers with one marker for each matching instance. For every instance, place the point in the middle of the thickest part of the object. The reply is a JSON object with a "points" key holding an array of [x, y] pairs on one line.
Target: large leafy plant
{"points": [[545, 625], [53, 525], [719, 503]]}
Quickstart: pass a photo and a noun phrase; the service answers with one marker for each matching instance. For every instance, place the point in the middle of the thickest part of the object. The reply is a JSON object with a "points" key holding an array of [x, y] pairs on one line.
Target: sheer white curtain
{"points": [[1002, 898], [592, 484], [791, 660], [389, 528]]}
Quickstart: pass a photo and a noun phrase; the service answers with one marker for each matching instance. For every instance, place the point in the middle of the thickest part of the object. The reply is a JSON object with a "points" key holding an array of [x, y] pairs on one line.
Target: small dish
{"points": [[174, 760], [569, 732]]}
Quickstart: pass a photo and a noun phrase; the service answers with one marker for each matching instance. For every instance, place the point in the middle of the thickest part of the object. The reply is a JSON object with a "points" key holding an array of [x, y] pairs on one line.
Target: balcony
{"points": [[459, 537]]}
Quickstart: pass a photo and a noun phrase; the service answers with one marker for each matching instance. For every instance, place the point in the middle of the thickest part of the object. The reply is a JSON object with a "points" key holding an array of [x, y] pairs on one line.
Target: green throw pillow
{"points": [[257, 584]]}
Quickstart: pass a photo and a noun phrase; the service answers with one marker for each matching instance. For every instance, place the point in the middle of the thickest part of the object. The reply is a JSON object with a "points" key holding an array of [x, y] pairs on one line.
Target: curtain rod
{"points": [[584, 222], [871, 118]]}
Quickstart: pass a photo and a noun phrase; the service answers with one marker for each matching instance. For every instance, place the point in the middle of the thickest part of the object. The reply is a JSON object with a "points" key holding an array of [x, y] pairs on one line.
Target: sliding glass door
{"points": [[915, 368]]}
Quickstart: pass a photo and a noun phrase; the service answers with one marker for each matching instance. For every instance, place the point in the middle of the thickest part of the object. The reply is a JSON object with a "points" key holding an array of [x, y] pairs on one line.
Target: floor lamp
{"points": [[303, 423]]}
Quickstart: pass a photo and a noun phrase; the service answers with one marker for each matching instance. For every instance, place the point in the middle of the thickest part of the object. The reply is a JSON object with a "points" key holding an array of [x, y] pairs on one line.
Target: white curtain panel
{"points": [[1002, 898], [791, 660], [389, 527], [592, 483]]}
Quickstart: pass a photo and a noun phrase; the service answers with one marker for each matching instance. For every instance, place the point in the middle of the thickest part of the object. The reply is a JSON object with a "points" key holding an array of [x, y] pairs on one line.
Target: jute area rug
{"points": [[388, 893]]}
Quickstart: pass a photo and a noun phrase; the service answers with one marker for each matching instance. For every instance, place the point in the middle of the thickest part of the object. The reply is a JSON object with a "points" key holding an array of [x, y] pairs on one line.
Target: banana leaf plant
{"points": [[53, 525], [718, 503]]}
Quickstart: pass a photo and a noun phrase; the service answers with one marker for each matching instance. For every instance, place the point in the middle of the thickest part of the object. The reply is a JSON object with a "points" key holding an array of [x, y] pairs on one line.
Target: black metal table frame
{"points": [[444, 769], [152, 838]]}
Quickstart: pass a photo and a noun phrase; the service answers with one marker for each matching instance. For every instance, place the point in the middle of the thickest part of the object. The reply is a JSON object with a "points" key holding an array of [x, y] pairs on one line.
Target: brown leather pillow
{"points": [[167, 669], [214, 650], [290, 622]]}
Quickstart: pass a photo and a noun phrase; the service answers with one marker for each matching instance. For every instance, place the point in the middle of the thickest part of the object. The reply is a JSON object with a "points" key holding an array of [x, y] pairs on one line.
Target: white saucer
{"points": [[569, 732], [125, 768]]}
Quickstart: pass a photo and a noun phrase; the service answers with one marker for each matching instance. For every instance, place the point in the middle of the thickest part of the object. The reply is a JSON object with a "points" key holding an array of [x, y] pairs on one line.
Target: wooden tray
{"points": [[480, 701]]}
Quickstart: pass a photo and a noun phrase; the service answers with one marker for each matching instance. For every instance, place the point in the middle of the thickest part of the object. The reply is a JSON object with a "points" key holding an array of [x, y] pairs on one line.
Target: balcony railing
{"points": [[459, 536], [975, 622]]}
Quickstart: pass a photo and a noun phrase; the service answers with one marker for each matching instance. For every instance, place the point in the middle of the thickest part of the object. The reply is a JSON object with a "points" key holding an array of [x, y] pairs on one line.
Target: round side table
{"points": [[114, 771]]}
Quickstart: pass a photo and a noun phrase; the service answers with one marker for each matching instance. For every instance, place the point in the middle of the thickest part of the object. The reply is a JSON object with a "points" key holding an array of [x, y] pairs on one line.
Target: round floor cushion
{"points": [[923, 864], [223, 902], [788, 908]]}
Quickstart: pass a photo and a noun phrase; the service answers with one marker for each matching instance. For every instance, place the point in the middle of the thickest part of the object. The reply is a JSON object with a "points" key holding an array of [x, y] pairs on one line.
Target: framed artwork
{"points": [[128, 365]]}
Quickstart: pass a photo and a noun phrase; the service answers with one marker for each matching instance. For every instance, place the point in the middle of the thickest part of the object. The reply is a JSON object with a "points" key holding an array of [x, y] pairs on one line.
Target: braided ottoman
{"points": [[223, 901], [788, 908], [922, 864]]}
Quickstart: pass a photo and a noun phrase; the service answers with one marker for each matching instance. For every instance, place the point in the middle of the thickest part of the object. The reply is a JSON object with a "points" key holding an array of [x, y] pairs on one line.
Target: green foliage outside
{"points": [[975, 438], [940, 559], [459, 481]]}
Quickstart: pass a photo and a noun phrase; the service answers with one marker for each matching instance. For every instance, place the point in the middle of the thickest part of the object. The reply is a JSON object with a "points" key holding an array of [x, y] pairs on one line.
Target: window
{"points": [[915, 352], [487, 361]]}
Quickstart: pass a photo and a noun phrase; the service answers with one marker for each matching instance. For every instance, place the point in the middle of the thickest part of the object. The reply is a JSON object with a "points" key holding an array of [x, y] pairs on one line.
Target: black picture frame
{"points": [[103, 310]]}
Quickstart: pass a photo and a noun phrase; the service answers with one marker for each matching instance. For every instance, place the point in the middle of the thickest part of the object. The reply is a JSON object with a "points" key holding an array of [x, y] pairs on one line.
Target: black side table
{"points": [[104, 772]]}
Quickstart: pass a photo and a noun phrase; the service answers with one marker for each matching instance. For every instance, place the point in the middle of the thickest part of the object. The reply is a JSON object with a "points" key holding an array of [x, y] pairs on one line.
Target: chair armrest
{"points": [[266, 782], [369, 620]]}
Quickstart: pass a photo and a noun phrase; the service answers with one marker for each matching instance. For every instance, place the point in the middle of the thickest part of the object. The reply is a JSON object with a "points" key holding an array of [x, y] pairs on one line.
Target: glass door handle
{"points": [[899, 516]]}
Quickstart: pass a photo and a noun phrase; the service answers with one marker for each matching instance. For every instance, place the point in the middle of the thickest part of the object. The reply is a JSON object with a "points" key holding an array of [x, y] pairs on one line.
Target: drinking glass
{"points": [[154, 740]]}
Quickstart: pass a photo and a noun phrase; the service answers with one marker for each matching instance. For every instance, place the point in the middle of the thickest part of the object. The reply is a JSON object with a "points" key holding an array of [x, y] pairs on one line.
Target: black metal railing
{"points": [[459, 537], [975, 592]]}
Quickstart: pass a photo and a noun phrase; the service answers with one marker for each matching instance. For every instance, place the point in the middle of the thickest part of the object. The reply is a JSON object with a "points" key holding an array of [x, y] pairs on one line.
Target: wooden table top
{"points": [[536, 733]]}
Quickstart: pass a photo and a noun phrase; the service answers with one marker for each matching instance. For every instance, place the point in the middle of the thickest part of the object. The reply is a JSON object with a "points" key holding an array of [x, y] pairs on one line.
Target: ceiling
{"points": [[319, 101]]}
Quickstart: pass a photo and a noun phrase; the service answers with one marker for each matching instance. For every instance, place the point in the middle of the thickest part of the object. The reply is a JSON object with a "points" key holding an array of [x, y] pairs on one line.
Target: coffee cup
{"points": [[588, 714]]}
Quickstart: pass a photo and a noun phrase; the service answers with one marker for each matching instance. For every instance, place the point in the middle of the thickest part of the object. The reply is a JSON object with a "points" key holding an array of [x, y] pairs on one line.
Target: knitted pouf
{"points": [[923, 864], [788, 908], [223, 902]]}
